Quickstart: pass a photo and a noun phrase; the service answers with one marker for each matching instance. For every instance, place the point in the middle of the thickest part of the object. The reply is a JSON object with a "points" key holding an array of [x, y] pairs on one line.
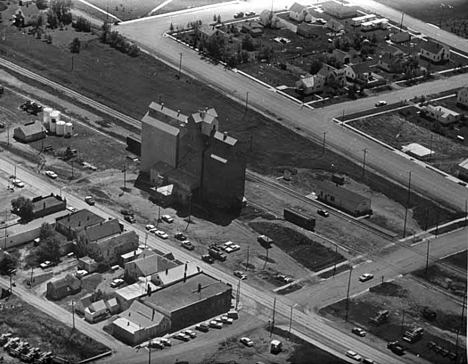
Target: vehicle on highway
{"points": [[46, 264], [353, 355], [323, 213], [188, 245], [202, 327], [358, 331], [117, 282], [167, 218], [368, 361], [366, 277], [215, 324], [130, 219], [380, 103], [207, 258], [238, 15], [17, 182], [90, 200], [246, 341], [182, 337], [51, 174], [190, 333], [161, 234], [240, 274], [150, 228], [180, 236]]}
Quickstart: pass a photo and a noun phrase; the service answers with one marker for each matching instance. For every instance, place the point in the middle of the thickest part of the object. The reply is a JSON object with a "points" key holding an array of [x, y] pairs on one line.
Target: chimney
{"points": [[162, 105], [225, 135]]}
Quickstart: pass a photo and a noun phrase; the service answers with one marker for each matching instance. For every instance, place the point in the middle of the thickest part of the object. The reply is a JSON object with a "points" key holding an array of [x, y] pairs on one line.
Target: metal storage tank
{"points": [[54, 118], [46, 116], [68, 129], [60, 128]]}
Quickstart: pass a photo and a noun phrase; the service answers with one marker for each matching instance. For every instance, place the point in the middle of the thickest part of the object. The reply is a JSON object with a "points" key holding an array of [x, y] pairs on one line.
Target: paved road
{"points": [[148, 33]]}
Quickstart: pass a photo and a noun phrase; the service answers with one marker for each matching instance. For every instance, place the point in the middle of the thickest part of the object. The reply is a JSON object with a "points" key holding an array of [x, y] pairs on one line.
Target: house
{"points": [[390, 63], [400, 37], [391, 49], [343, 199], [135, 254], [175, 274], [60, 288], [191, 300], [441, 114], [334, 25], [463, 170], [74, 223], [30, 132], [88, 264], [300, 13], [333, 76], [357, 21], [96, 311], [374, 24], [110, 250], [341, 56], [435, 52], [147, 266], [418, 151], [310, 84], [359, 72], [306, 30], [462, 97], [140, 323], [269, 19], [338, 10], [83, 303], [206, 32], [253, 28], [43, 206], [102, 230]]}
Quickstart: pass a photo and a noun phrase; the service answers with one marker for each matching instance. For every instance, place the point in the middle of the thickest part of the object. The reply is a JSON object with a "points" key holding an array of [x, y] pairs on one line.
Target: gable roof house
{"points": [[334, 25], [343, 199], [310, 84], [333, 76], [110, 250], [341, 56], [300, 13], [253, 28], [390, 63], [306, 30], [462, 97], [147, 266], [435, 52], [30, 132], [441, 114], [269, 19], [400, 37], [359, 72], [63, 287], [206, 32], [96, 311], [96, 232]]}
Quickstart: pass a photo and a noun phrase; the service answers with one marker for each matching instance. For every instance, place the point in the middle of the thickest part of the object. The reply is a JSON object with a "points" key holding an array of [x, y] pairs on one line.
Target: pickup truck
{"points": [[217, 254]]}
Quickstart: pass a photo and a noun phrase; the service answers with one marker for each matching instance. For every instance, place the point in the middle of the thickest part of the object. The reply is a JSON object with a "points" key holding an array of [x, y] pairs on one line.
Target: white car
{"points": [[353, 355], [366, 277], [232, 248], [380, 103], [51, 174], [240, 274], [117, 282], [18, 183], [46, 264], [161, 234], [151, 228], [226, 320], [190, 333], [246, 341], [167, 218]]}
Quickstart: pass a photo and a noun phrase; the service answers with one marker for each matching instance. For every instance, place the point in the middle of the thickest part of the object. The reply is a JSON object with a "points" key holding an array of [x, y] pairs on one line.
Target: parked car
{"points": [[188, 245], [17, 182], [215, 324], [240, 274], [250, 13], [130, 219], [180, 236], [90, 200], [358, 331], [230, 247], [323, 213], [380, 103], [207, 258], [182, 337], [166, 342], [246, 341], [117, 282], [46, 264], [353, 355], [190, 333], [156, 344], [366, 277], [161, 234], [238, 15], [226, 320], [151, 228], [167, 218], [283, 278], [202, 327], [51, 174]]}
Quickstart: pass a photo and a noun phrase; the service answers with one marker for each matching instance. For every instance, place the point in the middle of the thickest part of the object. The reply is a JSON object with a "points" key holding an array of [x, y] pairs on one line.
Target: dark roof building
{"points": [[47, 205], [342, 198], [30, 132], [72, 224], [62, 287], [102, 230], [110, 250]]}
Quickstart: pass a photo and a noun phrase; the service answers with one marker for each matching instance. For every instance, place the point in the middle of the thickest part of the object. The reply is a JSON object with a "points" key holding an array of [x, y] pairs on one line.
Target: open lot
{"points": [[458, 260], [405, 299], [45, 332]]}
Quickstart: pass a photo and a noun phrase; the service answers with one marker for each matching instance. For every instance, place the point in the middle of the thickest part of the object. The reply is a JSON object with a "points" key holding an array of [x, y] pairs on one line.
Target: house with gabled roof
{"points": [[332, 75], [300, 13], [359, 72], [441, 114], [30, 132], [334, 25], [400, 37], [435, 52], [390, 63], [269, 19], [110, 250], [62, 287], [102, 230], [310, 84], [341, 56], [147, 266], [342, 198], [462, 97]]}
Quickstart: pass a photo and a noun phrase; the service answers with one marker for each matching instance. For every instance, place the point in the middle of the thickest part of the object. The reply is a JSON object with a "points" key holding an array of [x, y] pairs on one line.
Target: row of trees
{"points": [[118, 41]]}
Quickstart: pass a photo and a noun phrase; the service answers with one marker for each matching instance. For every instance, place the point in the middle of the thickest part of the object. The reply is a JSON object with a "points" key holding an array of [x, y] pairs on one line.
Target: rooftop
{"points": [[182, 294], [135, 290], [160, 125], [42, 203], [340, 192], [464, 164], [165, 114], [432, 47], [297, 8], [225, 138], [417, 149], [32, 128], [103, 229], [142, 315], [218, 158], [152, 264], [80, 219], [176, 273], [125, 237]]}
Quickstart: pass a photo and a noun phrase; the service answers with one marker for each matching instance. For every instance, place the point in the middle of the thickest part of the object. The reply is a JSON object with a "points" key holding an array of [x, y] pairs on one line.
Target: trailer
{"points": [[298, 219]]}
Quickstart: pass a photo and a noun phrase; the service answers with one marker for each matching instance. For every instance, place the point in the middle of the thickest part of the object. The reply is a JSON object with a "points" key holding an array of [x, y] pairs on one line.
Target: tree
{"points": [[171, 28], [133, 50], [247, 43], [62, 10], [37, 21], [75, 45], [266, 53], [83, 25], [315, 66], [218, 19], [42, 4], [49, 250], [233, 61], [7, 263], [105, 32], [52, 19], [47, 231], [23, 207]]}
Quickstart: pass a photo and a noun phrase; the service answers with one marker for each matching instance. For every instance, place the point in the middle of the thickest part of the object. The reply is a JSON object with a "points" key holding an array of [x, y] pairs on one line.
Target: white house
{"points": [[442, 114], [462, 96], [310, 84], [435, 52], [334, 25], [300, 13]]}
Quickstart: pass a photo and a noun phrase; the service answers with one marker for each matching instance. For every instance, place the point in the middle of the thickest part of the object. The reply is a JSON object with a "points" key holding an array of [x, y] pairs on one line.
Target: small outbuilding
{"points": [[30, 132], [418, 151]]}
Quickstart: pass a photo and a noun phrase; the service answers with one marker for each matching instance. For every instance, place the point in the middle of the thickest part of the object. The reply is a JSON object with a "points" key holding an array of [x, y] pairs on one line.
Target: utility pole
{"points": [[437, 223], [125, 175], [347, 294], [31, 280], [290, 319], [323, 144], [273, 320], [190, 208], [248, 255], [180, 65], [364, 163], [73, 314], [266, 258], [427, 255], [334, 268], [461, 325], [402, 322], [238, 293], [247, 102], [407, 204], [149, 351], [71, 166]]}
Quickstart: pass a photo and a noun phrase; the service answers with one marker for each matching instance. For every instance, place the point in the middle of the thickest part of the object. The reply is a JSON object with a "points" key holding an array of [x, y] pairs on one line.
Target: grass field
{"points": [[459, 260], [45, 332]]}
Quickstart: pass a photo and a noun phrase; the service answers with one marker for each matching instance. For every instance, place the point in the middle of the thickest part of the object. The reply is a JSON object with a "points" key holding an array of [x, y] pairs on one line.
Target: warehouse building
{"points": [[30, 132], [343, 199]]}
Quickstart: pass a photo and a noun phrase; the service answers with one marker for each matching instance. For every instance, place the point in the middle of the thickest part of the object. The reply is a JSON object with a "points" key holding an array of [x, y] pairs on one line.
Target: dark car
{"points": [[323, 213], [180, 236], [188, 245], [130, 219], [238, 15], [207, 258]]}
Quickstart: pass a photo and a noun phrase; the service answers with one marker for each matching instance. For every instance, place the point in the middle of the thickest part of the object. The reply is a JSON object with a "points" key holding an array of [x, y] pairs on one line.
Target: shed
{"points": [[30, 132], [418, 151]]}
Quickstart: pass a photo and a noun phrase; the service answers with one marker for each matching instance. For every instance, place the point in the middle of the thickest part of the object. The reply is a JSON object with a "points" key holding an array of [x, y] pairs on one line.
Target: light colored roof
{"points": [[32, 128], [97, 306], [165, 190], [160, 125], [341, 193], [416, 149], [218, 158], [142, 316], [464, 164], [308, 81], [442, 111], [152, 264], [126, 325], [182, 294], [112, 303], [297, 8], [175, 274], [225, 138], [135, 290], [165, 113]]}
